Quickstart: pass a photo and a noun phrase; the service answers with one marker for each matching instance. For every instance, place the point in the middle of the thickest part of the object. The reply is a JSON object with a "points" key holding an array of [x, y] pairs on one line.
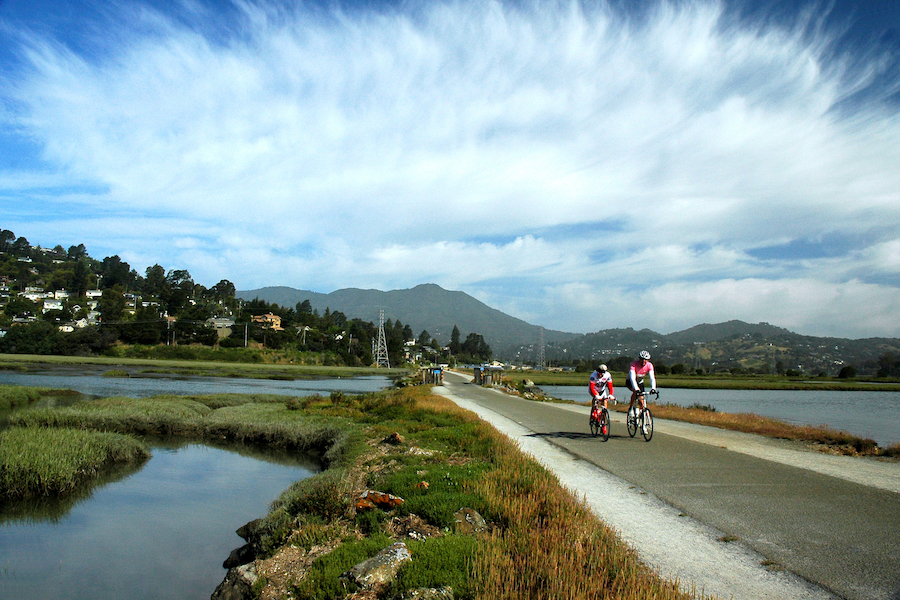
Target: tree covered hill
{"points": [[730, 346], [48, 288], [426, 306], [58, 301], [737, 346]]}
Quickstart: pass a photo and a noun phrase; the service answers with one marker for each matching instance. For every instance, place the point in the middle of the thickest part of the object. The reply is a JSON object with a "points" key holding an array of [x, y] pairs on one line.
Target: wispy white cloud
{"points": [[330, 149]]}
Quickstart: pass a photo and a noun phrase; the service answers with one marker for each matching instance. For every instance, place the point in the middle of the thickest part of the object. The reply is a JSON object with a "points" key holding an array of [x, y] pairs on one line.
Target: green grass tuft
{"points": [[324, 581], [436, 562], [12, 396], [44, 462]]}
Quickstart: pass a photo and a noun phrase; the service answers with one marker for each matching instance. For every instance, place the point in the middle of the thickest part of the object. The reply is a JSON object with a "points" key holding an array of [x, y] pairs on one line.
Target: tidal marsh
{"points": [[541, 540]]}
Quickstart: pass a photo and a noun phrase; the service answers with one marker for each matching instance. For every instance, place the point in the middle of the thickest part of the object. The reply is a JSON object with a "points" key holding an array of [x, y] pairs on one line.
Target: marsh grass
{"points": [[269, 364], [542, 542], [550, 544], [45, 462], [114, 373], [12, 396], [144, 416], [222, 417]]}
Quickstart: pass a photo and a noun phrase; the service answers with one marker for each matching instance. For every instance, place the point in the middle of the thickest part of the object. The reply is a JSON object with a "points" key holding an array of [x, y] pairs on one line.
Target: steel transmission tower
{"points": [[381, 353]]}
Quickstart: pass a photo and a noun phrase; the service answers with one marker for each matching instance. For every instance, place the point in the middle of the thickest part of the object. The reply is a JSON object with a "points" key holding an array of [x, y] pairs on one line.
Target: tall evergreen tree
{"points": [[455, 345]]}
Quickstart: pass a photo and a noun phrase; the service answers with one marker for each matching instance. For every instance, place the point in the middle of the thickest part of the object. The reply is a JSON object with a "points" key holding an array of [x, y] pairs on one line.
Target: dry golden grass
{"points": [[550, 545], [545, 543], [821, 436]]}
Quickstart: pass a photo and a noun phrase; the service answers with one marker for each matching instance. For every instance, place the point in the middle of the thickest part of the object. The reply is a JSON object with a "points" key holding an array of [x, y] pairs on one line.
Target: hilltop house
{"points": [[269, 321]]}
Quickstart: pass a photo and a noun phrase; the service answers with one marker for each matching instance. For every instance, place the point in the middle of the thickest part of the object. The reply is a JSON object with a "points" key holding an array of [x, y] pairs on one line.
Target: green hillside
{"points": [[426, 306]]}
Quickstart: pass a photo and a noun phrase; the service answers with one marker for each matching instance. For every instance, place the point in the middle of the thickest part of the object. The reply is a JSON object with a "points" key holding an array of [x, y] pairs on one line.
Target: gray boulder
{"points": [[467, 521], [381, 568], [240, 556], [237, 585]]}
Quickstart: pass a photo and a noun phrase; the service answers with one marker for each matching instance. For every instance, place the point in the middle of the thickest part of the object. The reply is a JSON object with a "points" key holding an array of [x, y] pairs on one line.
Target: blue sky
{"points": [[582, 166]]}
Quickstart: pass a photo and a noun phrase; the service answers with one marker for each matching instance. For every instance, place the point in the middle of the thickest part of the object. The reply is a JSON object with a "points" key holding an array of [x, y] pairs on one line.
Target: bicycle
{"points": [[599, 421], [644, 421]]}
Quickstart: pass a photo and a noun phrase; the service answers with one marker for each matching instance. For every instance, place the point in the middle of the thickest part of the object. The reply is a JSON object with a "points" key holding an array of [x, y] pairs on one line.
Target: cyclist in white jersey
{"points": [[601, 387]]}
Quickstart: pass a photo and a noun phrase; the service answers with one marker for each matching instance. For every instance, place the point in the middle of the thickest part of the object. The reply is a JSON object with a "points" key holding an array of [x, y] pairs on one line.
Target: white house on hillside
{"points": [[50, 304]]}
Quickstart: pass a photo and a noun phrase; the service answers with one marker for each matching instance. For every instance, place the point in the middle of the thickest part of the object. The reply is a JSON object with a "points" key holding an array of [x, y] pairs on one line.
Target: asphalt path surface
{"points": [[838, 533]]}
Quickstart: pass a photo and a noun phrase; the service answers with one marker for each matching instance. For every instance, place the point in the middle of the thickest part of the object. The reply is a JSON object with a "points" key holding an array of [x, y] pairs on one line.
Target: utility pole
{"points": [[541, 350]]}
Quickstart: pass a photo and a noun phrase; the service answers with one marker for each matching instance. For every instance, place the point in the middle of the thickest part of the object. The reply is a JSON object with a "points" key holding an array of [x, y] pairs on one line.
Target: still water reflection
{"points": [[866, 414], [95, 384], [162, 532]]}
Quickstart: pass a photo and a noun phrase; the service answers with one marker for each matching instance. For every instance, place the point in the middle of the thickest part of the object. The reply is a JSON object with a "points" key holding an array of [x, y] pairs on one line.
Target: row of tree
{"points": [[169, 307], [73, 270]]}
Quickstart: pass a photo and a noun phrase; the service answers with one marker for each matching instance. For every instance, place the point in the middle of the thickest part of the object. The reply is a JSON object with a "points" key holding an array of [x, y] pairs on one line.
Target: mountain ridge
{"points": [[426, 306], [711, 346]]}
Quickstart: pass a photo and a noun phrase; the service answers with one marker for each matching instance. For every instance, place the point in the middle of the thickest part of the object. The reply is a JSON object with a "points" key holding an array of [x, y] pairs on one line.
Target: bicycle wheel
{"points": [[647, 429], [595, 425], [632, 425], [604, 424]]}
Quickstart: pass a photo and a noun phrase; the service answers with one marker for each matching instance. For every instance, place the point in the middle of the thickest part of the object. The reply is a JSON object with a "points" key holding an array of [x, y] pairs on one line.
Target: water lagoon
{"points": [[161, 532], [95, 384], [164, 530]]}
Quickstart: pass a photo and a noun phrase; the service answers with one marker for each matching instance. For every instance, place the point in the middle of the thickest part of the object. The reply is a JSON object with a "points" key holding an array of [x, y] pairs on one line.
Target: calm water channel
{"points": [[94, 384], [867, 414], [161, 532], [164, 530]]}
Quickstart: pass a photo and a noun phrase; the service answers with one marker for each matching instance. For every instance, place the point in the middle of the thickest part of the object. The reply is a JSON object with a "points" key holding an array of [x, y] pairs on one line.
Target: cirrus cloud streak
{"points": [[568, 164]]}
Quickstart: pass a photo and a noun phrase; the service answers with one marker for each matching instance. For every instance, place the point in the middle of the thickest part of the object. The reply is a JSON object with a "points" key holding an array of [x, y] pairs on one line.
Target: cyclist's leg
{"points": [[635, 395], [643, 407]]}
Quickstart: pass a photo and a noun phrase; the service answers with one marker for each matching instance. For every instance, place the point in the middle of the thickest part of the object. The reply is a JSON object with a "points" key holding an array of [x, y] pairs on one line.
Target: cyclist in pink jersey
{"points": [[601, 387], [636, 372]]}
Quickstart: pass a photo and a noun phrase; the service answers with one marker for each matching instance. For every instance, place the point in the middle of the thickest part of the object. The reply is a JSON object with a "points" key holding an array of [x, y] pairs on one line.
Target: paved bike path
{"points": [[840, 535]]}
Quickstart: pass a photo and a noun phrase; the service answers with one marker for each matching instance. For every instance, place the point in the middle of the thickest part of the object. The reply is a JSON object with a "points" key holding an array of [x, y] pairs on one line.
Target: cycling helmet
{"points": [[602, 368], [645, 355]]}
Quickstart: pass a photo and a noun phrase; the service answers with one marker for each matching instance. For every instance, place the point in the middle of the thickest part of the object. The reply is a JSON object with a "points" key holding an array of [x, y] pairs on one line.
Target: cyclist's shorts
{"points": [[640, 385], [602, 395]]}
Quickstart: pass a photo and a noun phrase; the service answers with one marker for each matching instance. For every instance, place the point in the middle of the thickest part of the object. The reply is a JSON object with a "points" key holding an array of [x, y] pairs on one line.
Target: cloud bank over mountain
{"points": [[576, 165]]}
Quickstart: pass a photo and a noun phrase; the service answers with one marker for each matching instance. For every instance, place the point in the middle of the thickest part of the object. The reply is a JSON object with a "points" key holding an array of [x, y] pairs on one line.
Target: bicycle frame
{"points": [[645, 421]]}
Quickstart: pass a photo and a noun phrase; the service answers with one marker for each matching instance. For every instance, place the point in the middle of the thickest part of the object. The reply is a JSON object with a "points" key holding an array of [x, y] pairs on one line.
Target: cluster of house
{"points": [[55, 300]]}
